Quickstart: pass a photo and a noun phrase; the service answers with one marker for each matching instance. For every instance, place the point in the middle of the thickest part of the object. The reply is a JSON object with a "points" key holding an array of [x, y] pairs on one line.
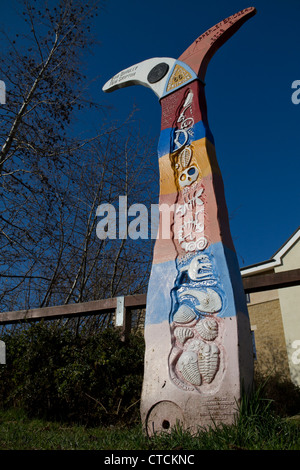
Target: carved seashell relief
{"points": [[184, 314], [185, 157], [209, 300], [207, 328], [182, 334]]}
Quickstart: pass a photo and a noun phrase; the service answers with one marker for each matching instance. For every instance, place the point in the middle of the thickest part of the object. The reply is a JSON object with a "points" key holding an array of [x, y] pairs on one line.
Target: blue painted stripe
{"points": [[161, 282], [166, 143], [162, 297]]}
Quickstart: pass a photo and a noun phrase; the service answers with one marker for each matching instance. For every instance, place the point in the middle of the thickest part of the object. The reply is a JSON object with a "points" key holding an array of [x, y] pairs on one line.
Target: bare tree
{"points": [[52, 180], [86, 267]]}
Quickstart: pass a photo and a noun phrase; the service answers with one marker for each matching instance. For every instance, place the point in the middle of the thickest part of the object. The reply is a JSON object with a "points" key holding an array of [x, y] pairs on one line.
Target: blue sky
{"points": [[248, 89]]}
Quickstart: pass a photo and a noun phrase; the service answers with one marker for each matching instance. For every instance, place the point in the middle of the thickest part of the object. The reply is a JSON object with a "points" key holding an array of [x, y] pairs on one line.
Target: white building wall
{"points": [[289, 298]]}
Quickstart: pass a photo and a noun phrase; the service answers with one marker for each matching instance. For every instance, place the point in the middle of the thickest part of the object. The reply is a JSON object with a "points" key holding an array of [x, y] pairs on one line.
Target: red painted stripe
{"points": [[172, 104]]}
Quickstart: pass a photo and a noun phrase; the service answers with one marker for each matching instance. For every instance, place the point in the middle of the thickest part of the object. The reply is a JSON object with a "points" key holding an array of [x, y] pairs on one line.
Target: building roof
{"points": [[275, 260]]}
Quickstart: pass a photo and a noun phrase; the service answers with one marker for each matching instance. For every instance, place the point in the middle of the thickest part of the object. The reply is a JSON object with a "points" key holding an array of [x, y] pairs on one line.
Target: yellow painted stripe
{"points": [[203, 156]]}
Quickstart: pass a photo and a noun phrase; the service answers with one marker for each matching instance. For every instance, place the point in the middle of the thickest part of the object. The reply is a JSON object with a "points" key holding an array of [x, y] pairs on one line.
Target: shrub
{"points": [[54, 374]]}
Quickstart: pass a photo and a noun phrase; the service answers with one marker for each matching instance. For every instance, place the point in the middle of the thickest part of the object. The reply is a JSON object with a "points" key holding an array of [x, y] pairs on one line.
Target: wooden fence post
{"points": [[123, 318]]}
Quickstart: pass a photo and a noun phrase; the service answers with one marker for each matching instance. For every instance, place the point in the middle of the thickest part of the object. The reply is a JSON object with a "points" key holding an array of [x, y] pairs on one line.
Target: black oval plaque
{"points": [[158, 72]]}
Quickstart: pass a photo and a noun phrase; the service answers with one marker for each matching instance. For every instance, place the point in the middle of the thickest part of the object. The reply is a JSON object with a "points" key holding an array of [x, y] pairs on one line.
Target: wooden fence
{"points": [[123, 306]]}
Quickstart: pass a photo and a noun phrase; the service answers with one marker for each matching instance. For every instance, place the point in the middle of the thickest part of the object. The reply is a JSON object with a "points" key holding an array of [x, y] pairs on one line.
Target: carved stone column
{"points": [[198, 342]]}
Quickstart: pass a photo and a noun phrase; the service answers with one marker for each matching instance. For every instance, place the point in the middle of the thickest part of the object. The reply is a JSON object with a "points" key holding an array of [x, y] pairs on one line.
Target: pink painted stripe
{"points": [[216, 223]]}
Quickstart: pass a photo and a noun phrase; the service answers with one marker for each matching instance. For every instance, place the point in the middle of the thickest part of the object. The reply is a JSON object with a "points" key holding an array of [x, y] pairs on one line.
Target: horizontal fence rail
{"points": [[93, 307], [263, 282], [123, 305]]}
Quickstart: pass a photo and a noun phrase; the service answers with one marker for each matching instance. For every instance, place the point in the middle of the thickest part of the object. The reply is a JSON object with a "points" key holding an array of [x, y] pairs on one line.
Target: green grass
{"points": [[262, 431]]}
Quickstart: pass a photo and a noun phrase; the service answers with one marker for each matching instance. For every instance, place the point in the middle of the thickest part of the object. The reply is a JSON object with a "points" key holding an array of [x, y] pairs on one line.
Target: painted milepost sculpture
{"points": [[198, 356]]}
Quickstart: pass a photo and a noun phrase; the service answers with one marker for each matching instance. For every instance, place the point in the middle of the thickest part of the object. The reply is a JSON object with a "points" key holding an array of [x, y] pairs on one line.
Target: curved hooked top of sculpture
{"points": [[198, 54], [157, 73]]}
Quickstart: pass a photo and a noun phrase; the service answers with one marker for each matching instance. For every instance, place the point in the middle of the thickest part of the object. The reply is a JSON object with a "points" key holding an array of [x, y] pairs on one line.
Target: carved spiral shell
{"points": [[207, 328], [208, 361], [182, 334], [188, 366], [184, 314]]}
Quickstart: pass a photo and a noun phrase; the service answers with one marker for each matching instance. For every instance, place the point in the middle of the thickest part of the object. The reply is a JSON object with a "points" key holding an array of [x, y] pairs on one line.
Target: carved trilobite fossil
{"points": [[188, 366], [208, 329], [208, 361]]}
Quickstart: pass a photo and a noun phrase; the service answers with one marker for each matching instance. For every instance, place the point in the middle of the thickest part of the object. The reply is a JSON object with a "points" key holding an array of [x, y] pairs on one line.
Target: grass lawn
{"points": [[252, 432]]}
